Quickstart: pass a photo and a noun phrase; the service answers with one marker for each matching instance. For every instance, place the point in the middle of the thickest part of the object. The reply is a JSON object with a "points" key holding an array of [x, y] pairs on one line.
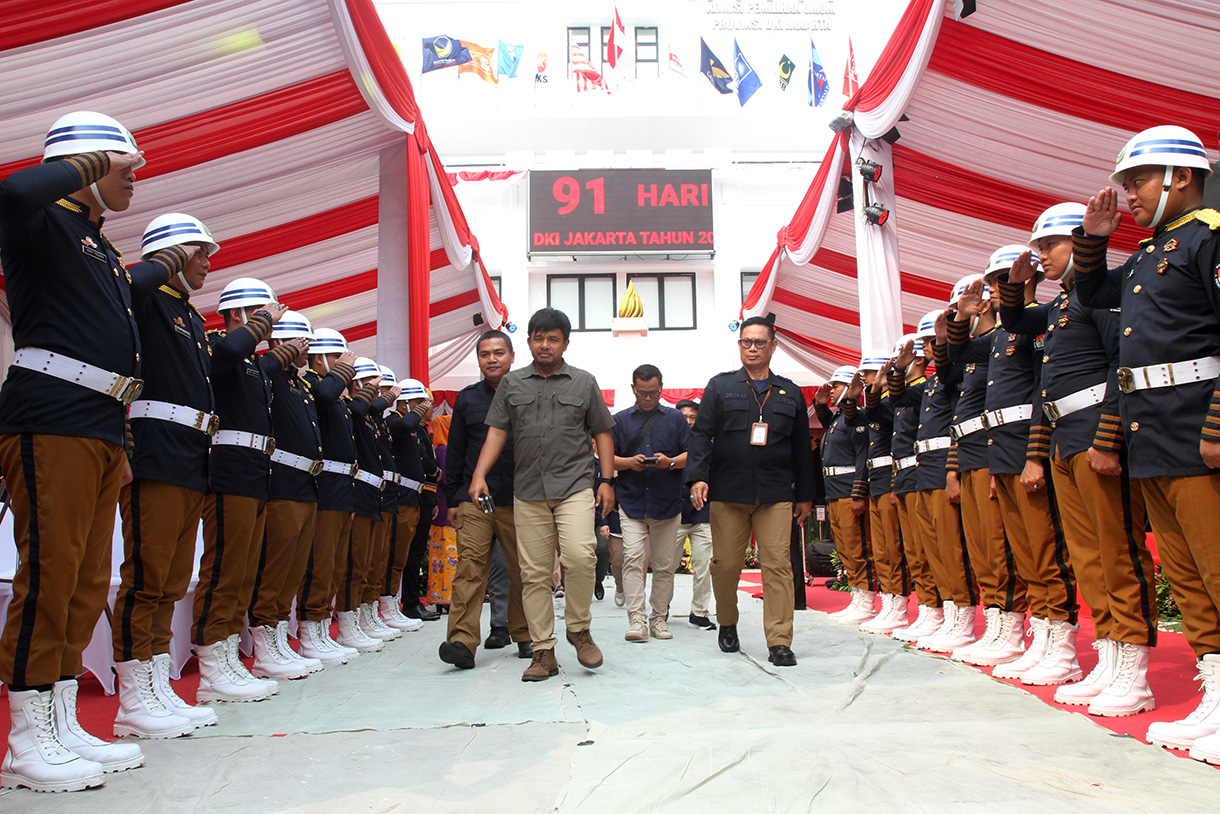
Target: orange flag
{"points": [[482, 62]]}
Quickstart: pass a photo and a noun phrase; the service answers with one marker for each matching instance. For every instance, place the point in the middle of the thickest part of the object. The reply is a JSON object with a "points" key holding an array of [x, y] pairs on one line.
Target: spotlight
{"points": [[478, 320], [869, 170], [511, 327], [735, 326], [843, 121], [876, 214]]}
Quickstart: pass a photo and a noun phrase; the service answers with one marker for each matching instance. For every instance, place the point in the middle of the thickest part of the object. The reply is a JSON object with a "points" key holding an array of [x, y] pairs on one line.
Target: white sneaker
{"points": [[1203, 722], [219, 682], [351, 634], [1006, 644], [928, 621], [36, 758], [960, 634], [620, 599], [393, 616], [316, 646], [637, 628], [659, 629], [199, 716], [1128, 692], [141, 712], [1082, 692], [113, 757], [1040, 635], [1058, 664]]}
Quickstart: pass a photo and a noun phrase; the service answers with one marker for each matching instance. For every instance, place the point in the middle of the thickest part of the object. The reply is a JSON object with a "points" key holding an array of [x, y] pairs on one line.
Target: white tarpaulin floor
{"points": [[861, 724]]}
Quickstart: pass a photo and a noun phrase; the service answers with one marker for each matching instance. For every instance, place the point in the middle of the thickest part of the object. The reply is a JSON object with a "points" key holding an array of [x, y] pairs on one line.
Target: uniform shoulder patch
{"points": [[1209, 216], [215, 333]]}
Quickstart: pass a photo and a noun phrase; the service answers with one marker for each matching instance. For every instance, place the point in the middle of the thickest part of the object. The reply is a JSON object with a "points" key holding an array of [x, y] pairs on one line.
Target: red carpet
{"points": [[1171, 670]]}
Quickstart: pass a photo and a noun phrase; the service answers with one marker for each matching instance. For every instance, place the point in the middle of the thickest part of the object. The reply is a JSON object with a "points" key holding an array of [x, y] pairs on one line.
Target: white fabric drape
{"points": [[879, 288]]}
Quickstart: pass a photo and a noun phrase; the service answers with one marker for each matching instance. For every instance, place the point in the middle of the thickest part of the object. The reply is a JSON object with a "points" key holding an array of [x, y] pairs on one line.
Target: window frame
{"points": [[656, 44], [588, 35], [578, 323], [660, 277]]}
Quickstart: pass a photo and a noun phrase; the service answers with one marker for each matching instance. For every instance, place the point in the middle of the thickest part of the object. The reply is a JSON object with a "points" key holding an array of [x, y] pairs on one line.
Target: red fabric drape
{"points": [[760, 285], [894, 58], [419, 274], [293, 235], [608, 395], [675, 394], [444, 397], [317, 295], [842, 355], [793, 235], [29, 21], [388, 71]]}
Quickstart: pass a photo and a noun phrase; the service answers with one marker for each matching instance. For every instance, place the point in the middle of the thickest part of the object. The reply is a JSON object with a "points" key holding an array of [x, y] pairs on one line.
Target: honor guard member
{"points": [[972, 333], [78, 349], [384, 533], [235, 513], [408, 440], [1169, 352], [697, 528], [1100, 506], [478, 526], [940, 492], [905, 391], [330, 373], [750, 456], [171, 428], [413, 577], [893, 578], [363, 400], [293, 505], [844, 456]]}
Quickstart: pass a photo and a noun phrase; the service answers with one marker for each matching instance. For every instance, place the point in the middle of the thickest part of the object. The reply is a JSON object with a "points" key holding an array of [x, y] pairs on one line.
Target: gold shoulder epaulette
{"points": [[70, 205], [1209, 216], [216, 332], [1147, 240]]}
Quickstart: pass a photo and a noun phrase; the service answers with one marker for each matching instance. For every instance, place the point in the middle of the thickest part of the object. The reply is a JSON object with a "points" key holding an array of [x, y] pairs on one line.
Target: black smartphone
{"points": [[650, 459]]}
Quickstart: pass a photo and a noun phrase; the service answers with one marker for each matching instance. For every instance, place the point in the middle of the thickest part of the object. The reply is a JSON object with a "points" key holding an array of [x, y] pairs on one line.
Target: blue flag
{"points": [[711, 67], [819, 88], [444, 52], [509, 59], [748, 82]]}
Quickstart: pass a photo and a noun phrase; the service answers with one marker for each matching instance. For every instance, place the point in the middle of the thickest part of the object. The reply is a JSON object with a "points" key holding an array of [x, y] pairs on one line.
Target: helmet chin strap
{"points": [[97, 194], [326, 362], [1160, 207], [185, 284]]}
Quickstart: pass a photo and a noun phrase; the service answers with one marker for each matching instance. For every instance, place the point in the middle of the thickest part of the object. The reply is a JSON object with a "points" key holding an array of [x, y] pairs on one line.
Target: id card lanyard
{"points": [[758, 430]]}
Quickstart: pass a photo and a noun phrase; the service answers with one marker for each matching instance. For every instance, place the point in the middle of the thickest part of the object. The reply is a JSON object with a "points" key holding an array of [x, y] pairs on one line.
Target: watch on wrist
{"points": [[611, 481]]}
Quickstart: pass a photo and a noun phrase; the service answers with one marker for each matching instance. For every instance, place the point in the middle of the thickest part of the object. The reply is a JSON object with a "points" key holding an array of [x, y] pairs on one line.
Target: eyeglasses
{"points": [[647, 394], [746, 344]]}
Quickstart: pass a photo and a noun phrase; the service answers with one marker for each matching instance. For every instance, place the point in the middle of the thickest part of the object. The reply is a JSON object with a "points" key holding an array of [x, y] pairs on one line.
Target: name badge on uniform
{"points": [[758, 434], [94, 253]]}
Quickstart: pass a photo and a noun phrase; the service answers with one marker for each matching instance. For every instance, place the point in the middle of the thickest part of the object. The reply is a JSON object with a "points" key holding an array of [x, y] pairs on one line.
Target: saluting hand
{"points": [[347, 358], [942, 327], [905, 356], [856, 387], [1101, 215], [822, 394], [275, 310], [122, 162], [1023, 268], [395, 392], [970, 303]]}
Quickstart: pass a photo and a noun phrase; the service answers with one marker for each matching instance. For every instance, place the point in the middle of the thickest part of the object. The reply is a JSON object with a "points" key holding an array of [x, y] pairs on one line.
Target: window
{"points": [[669, 300], [747, 282], [578, 36], [647, 53], [605, 51], [495, 283], [590, 301]]}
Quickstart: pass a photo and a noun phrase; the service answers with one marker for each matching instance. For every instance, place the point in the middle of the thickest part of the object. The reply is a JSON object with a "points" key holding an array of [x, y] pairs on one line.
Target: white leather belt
{"points": [[341, 468], [905, 463], [123, 388], [371, 479], [932, 444], [237, 438], [832, 471], [1131, 379], [1008, 415], [880, 460], [406, 483], [175, 414], [968, 427], [300, 462], [1074, 402]]}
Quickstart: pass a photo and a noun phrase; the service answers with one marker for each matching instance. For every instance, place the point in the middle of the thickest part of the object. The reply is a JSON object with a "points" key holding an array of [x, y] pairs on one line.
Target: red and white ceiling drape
{"points": [[292, 131], [1012, 109]]}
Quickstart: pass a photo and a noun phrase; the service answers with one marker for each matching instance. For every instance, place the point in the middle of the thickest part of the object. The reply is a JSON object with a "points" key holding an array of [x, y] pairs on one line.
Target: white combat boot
{"points": [[239, 667], [199, 716], [1006, 644], [991, 619], [959, 635], [36, 758], [350, 652], [141, 713], [928, 621], [1058, 664], [1204, 722], [1039, 638], [218, 681], [948, 620], [393, 616], [1128, 692], [269, 660], [866, 608], [883, 622], [373, 627], [316, 646], [113, 757], [1083, 692], [851, 607], [350, 634], [309, 665]]}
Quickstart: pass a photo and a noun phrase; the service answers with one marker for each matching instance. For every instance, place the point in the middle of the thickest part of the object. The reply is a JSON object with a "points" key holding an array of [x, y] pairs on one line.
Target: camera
{"points": [[487, 505]]}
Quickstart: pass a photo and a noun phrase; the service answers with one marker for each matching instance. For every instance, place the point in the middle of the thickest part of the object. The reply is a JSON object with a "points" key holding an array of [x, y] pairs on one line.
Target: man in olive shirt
{"points": [[552, 410]]}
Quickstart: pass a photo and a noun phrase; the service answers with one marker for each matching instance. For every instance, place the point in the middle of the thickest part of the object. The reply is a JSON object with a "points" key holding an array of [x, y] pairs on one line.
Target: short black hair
{"points": [[494, 335], [645, 372], [549, 319], [763, 321], [694, 405]]}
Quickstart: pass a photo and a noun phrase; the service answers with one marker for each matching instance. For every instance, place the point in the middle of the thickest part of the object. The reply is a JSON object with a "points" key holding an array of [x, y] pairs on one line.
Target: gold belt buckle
{"points": [[213, 424], [131, 391], [269, 446], [1052, 412], [1126, 380], [315, 468], [355, 470]]}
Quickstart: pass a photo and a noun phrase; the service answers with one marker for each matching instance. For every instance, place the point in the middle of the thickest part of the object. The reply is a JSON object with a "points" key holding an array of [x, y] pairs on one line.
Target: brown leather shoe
{"points": [[542, 667], [587, 653]]}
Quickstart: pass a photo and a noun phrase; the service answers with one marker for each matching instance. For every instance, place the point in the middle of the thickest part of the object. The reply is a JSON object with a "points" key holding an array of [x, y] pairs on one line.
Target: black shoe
{"points": [[728, 639], [497, 638], [701, 622], [418, 611], [457, 654], [781, 656], [525, 650], [599, 593]]}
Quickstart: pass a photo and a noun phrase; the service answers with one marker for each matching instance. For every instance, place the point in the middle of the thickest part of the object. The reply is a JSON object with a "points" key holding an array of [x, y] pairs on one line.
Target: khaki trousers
{"points": [[232, 542], [995, 567], [914, 545], [543, 525], [1037, 544], [331, 539], [379, 557], [350, 592], [949, 550], [400, 547], [771, 525], [638, 551], [888, 557], [700, 535], [1103, 526], [62, 491], [851, 539], [285, 556], [160, 524], [476, 532], [1185, 516]]}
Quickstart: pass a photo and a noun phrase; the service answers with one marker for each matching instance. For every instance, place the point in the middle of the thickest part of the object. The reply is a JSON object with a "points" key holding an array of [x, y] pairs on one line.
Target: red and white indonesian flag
{"points": [[582, 70], [851, 83], [614, 48]]}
